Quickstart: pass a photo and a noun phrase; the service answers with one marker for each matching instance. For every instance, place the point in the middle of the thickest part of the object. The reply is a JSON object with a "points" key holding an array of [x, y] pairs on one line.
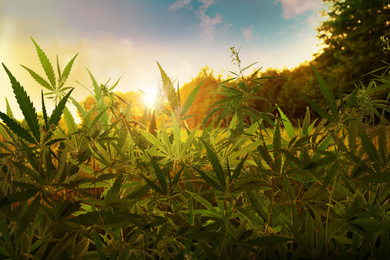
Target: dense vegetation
{"points": [[239, 183]]}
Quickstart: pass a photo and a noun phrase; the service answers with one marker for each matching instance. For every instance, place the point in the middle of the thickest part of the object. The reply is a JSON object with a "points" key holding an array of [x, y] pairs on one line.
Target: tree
{"points": [[352, 35]]}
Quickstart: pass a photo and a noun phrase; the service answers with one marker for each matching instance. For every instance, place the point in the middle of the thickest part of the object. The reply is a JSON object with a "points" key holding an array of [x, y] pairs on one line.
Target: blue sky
{"points": [[127, 37]]}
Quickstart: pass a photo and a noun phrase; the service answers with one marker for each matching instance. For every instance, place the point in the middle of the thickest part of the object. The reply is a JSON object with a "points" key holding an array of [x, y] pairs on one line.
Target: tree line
{"points": [[356, 38]]}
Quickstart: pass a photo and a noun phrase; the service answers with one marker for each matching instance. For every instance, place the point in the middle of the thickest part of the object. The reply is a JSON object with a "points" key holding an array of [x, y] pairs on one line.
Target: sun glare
{"points": [[150, 99]]}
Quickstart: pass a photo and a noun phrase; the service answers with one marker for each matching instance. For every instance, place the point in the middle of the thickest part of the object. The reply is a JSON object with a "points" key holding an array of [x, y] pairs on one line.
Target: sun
{"points": [[149, 99]]}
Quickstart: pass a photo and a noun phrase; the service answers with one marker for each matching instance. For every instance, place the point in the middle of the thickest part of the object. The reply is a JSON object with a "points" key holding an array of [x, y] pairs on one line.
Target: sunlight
{"points": [[149, 99]]}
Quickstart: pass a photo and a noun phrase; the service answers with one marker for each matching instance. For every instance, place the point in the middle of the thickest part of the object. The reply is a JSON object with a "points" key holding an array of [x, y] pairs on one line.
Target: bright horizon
{"points": [[126, 38]]}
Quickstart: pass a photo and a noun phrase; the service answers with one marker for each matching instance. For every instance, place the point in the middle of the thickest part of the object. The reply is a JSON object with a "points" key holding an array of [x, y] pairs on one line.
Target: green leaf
{"points": [[204, 202], [9, 111], [114, 191], [267, 241], [378, 177], [78, 106], [29, 215], [168, 89], [255, 204], [382, 145], [277, 145], [327, 93], [352, 101], [216, 166], [154, 186], [44, 111], [190, 99], [66, 72], [41, 81], [239, 167], [98, 244], [209, 180], [47, 67], [5, 232], [287, 124], [176, 134], [69, 120], [17, 128], [25, 105], [370, 225], [327, 159], [319, 109], [160, 175], [370, 148], [57, 112]]}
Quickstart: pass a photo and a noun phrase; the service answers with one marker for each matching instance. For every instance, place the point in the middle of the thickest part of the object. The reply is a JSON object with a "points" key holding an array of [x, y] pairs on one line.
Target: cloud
{"points": [[178, 4], [206, 4], [207, 23], [294, 8], [248, 32]]}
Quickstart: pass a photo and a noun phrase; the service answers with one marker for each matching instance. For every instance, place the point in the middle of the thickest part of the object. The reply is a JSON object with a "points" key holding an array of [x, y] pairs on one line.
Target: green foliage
{"points": [[352, 35], [56, 86], [249, 186]]}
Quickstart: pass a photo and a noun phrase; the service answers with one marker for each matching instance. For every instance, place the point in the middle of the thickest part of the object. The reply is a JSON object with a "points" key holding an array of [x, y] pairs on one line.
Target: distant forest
{"points": [[356, 36]]}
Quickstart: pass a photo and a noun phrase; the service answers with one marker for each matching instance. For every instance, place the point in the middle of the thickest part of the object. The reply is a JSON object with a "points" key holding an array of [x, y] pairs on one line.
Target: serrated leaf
{"points": [[69, 120], [329, 158], [168, 89], [370, 225], [58, 110], [327, 93], [204, 202], [209, 180], [190, 99], [47, 67], [352, 101], [239, 167], [377, 177], [41, 81], [277, 145], [9, 110], [256, 205], [287, 124], [216, 166], [114, 191], [176, 134], [44, 112], [66, 72], [17, 128], [5, 232], [29, 215], [177, 176], [154, 186], [319, 109], [160, 175], [25, 105], [369, 147]]}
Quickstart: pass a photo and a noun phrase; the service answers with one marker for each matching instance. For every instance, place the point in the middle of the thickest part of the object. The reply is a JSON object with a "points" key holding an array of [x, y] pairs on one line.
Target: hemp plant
{"points": [[55, 85]]}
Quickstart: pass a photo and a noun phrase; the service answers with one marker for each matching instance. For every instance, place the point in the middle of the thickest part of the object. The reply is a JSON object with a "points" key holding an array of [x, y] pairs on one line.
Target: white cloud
{"points": [[293, 8], [206, 3], [207, 23], [178, 4], [248, 32]]}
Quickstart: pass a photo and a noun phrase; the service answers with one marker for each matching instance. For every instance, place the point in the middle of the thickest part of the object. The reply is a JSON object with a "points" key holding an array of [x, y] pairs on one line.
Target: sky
{"points": [[125, 38]]}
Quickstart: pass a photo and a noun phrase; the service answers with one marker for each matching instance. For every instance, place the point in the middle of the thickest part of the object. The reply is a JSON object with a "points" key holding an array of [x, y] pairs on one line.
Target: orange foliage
{"points": [[207, 95]]}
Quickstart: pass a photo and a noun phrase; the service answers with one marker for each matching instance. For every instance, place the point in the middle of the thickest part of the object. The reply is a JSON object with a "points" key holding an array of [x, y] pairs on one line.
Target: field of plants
{"points": [[245, 184]]}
